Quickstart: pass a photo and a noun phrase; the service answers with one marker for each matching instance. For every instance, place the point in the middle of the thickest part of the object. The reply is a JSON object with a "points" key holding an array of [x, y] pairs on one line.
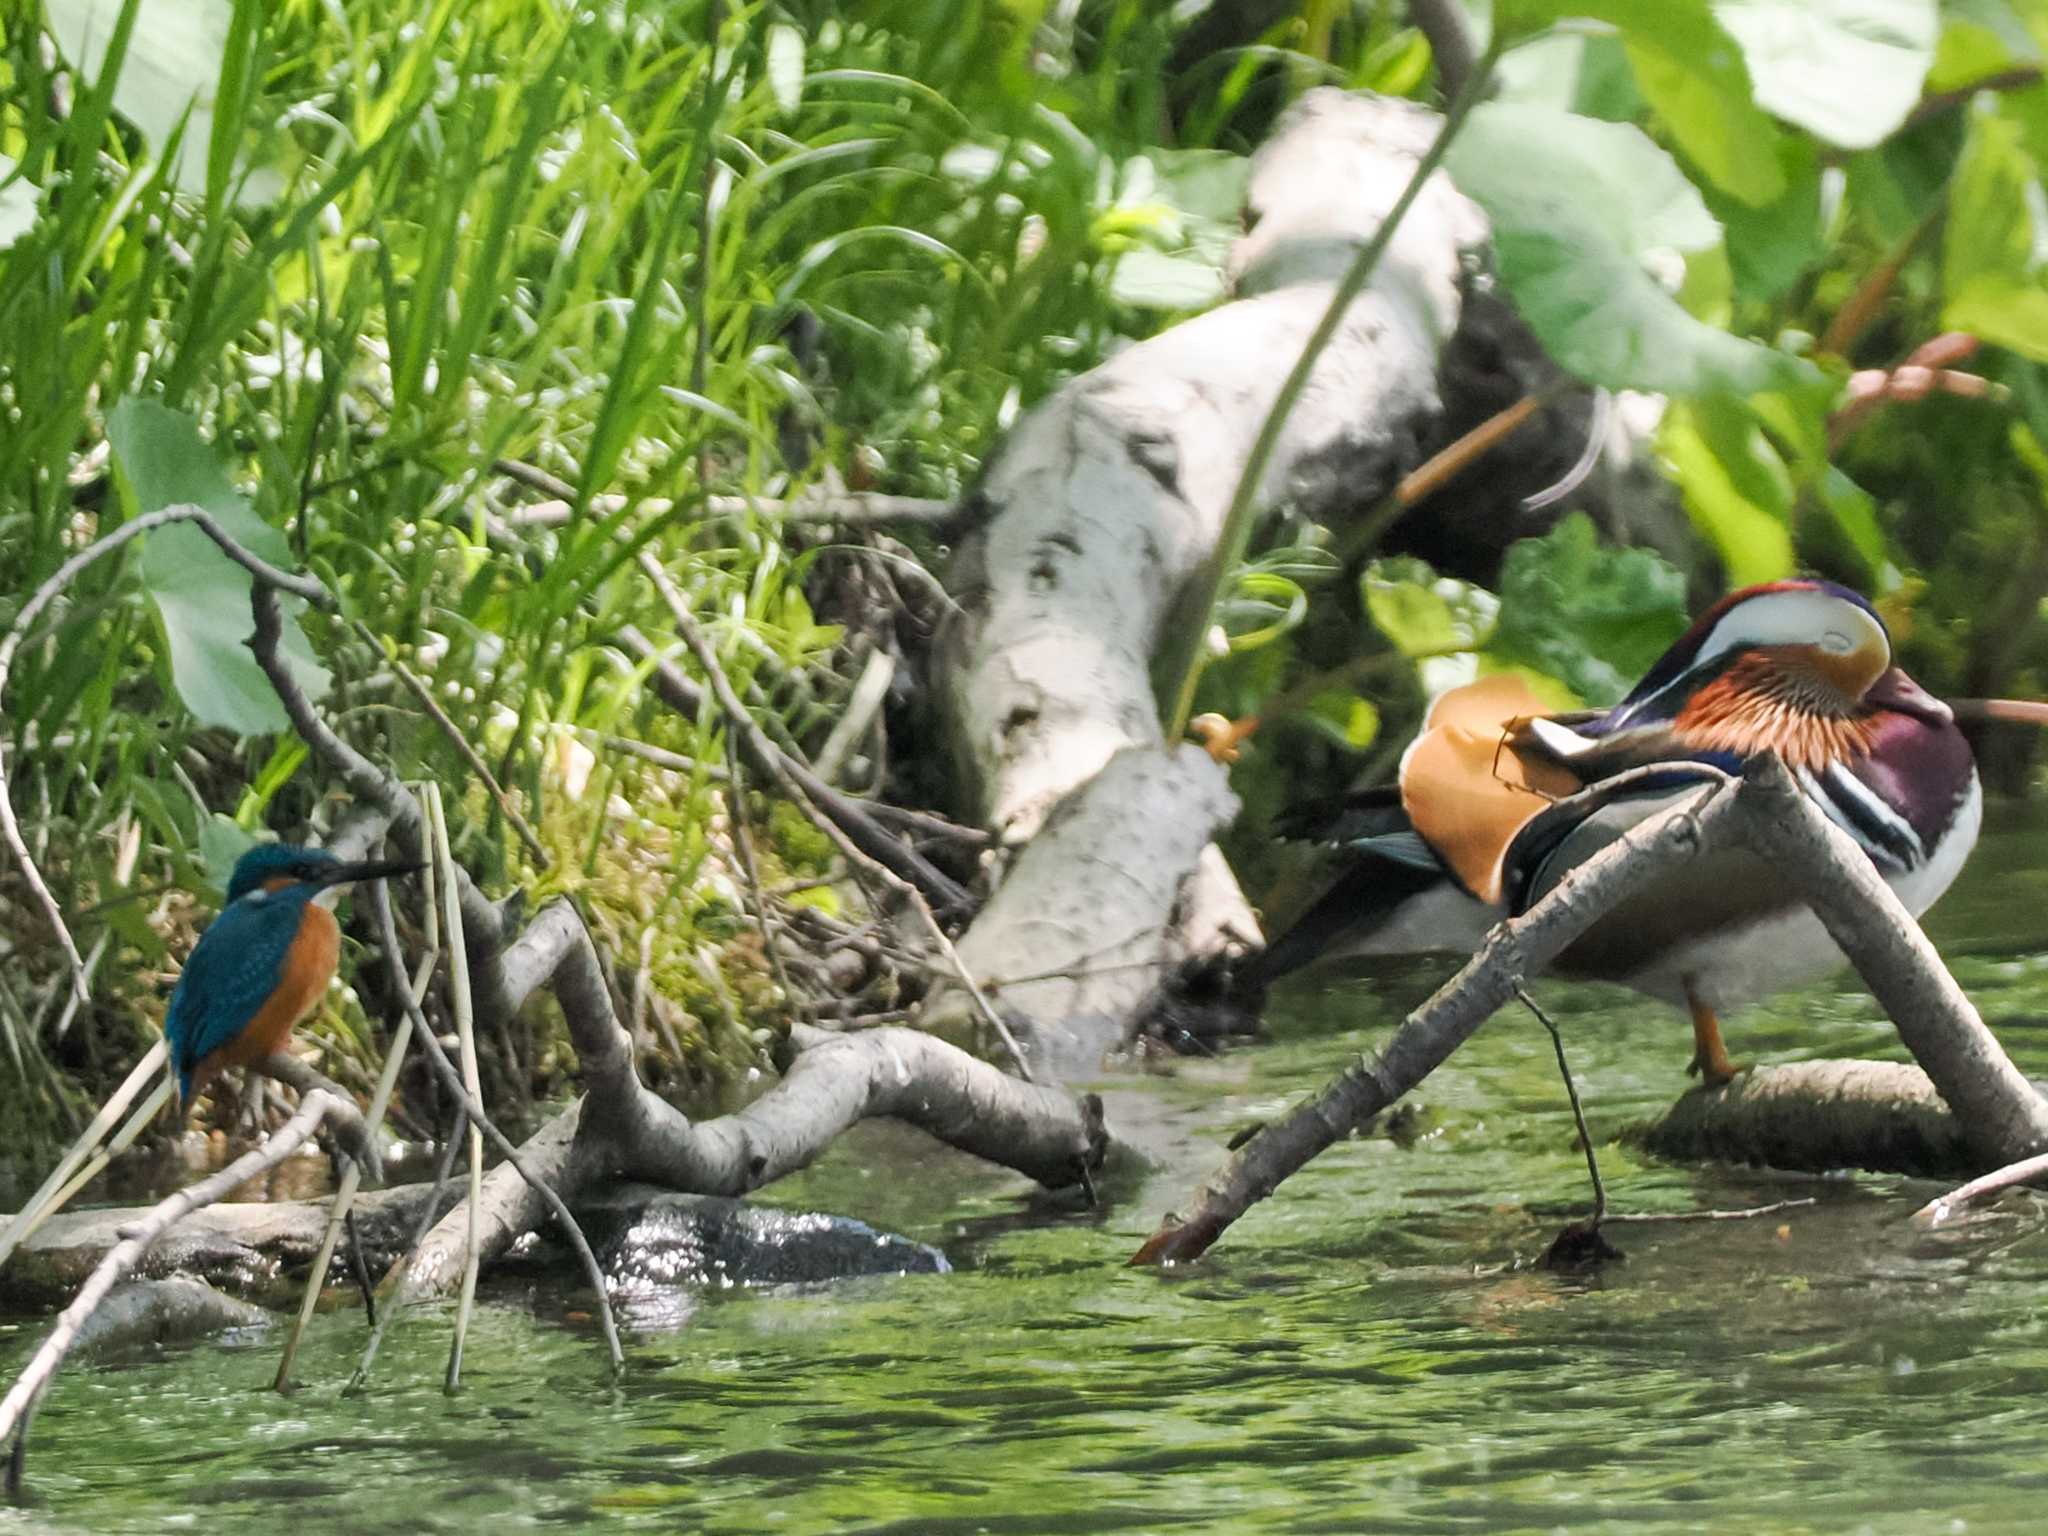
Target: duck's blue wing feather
{"points": [[234, 968]]}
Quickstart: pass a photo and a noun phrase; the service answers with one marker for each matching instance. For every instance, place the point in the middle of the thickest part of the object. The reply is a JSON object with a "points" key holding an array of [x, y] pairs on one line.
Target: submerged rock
{"points": [[147, 1313], [656, 1248]]}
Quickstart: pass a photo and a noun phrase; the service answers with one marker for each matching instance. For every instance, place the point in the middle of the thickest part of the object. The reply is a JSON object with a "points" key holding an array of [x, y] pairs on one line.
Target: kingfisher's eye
{"points": [[1835, 643]]}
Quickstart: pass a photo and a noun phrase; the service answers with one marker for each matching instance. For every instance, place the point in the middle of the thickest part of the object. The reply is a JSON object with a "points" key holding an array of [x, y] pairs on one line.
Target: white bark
{"points": [[1070, 938], [1110, 496]]}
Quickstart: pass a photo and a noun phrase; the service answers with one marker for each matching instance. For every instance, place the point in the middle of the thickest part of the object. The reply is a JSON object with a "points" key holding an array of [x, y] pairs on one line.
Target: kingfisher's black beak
{"points": [[375, 869]]}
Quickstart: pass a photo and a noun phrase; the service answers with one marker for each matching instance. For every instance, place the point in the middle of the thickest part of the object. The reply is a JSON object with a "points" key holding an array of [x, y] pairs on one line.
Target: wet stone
{"points": [[655, 1246]]}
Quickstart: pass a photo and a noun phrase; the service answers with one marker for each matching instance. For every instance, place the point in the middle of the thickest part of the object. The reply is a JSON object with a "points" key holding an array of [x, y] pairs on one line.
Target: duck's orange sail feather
{"points": [[1467, 790]]}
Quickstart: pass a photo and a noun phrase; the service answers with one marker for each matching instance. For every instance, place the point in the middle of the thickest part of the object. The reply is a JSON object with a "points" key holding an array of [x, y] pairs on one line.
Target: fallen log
{"points": [[1100, 514]]}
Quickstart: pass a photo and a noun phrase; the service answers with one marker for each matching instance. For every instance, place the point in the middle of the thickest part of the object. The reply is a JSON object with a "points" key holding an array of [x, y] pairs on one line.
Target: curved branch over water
{"points": [[2000, 1115]]}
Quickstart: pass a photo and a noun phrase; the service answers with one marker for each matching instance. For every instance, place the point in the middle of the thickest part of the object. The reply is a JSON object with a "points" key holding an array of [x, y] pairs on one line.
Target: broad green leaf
{"points": [[1989, 272], [1687, 67], [1204, 184], [1979, 38], [1847, 70], [1735, 488], [2013, 315], [1622, 185], [17, 204], [1707, 106], [786, 67], [201, 595], [1147, 279], [1576, 206], [1989, 234], [1772, 246], [221, 842], [1424, 614], [1572, 71], [1594, 617], [172, 66], [1854, 511]]}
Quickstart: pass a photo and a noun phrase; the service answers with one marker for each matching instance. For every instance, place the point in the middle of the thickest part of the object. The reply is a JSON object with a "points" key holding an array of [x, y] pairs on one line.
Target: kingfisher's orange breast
{"points": [[308, 966]]}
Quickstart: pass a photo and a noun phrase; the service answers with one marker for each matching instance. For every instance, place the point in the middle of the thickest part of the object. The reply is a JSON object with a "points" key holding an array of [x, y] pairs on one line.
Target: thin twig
{"points": [[661, 757], [352, 1178], [30, 1216], [451, 1079], [123, 1139], [855, 818], [448, 728], [65, 574], [2021, 77], [17, 1409], [1449, 31], [2025, 1171], [1748, 1213], [742, 721], [743, 845], [1571, 1089], [446, 1166], [472, 1081]]}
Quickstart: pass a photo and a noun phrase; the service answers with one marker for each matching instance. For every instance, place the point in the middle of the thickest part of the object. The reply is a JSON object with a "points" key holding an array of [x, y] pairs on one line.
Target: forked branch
{"points": [[2003, 1118]]}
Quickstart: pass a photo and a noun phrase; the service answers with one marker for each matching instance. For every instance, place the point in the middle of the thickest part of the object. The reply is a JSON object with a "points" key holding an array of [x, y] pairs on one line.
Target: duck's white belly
{"points": [[1740, 965]]}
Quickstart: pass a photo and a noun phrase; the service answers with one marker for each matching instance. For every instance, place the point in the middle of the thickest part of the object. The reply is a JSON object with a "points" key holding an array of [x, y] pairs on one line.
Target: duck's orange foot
{"points": [[1222, 738], [1714, 1073], [1710, 1061]]}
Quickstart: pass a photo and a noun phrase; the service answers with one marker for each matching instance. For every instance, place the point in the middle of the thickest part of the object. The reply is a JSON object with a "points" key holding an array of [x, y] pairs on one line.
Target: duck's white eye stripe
{"points": [[1836, 643]]}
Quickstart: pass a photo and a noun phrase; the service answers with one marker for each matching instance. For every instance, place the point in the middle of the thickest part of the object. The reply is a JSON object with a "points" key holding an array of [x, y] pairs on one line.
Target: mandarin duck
{"points": [[262, 965], [1497, 800]]}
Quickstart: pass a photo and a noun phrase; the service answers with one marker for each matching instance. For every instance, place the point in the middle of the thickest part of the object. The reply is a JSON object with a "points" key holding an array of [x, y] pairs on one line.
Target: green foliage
{"points": [[1577, 207], [201, 596], [1991, 278], [1579, 612], [319, 268], [1585, 613], [1422, 614], [1847, 70]]}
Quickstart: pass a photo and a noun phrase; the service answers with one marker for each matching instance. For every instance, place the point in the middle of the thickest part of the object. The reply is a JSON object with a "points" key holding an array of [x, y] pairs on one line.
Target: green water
{"points": [[1367, 1352]]}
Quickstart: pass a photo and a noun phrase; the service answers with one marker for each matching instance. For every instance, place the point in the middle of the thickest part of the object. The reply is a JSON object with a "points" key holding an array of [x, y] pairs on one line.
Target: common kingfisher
{"points": [[1497, 800], [262, 965]]}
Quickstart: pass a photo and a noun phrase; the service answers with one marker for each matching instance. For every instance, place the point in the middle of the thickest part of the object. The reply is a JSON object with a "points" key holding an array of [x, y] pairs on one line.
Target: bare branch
{"points": [[267, 576], [479, 1118], [804, 789], [17, 1409], [1939, 1210], [2000, 1114], [852, 509]]}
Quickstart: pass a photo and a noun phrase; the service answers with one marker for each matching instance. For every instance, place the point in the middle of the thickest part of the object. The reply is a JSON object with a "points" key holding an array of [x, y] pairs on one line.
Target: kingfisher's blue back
{"points": [[236, 967]]}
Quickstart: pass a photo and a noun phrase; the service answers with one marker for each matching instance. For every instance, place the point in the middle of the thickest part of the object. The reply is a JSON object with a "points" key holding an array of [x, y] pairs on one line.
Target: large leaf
{"points": [[1771, 246], [1848, 70], [1577, 206], [172, 66], [1594, 617], [1736, 488], [200, 594], [1688, 68], [1979, 38], [1988, 277]]}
